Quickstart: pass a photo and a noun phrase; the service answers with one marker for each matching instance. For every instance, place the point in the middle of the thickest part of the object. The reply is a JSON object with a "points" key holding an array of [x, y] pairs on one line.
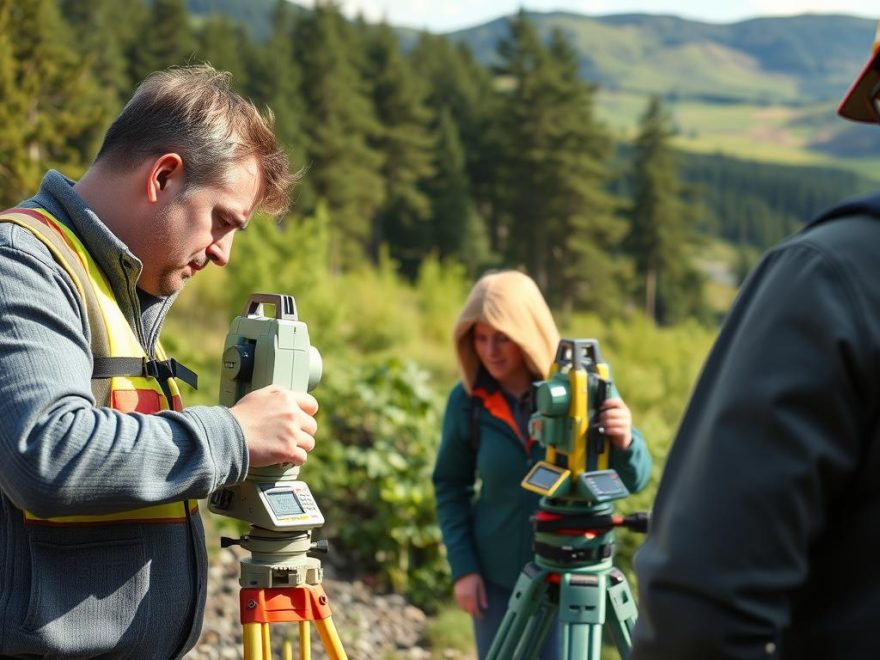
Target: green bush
{"points": [[372, 472]]}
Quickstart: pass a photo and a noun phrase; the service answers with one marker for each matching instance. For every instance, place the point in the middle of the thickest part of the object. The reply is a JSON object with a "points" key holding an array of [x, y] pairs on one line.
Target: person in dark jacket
{"points": [[505, 338], [765, 533]]}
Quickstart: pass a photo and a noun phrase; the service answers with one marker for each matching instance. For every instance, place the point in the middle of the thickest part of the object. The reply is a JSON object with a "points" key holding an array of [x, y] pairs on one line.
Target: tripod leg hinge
{"points": [[281, 605]]}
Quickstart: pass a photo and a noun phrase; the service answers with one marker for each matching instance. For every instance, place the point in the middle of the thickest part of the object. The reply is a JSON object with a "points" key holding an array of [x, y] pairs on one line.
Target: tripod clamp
{"points": [[322, 546], [544, 521]]}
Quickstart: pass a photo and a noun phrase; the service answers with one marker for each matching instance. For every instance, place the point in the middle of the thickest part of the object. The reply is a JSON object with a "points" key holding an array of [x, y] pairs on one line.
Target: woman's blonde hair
{"points": [[511, 303]]}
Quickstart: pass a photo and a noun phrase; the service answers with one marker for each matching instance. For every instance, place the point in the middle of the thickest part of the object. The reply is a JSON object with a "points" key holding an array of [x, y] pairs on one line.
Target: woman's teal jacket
{"points": [[482, 509]]}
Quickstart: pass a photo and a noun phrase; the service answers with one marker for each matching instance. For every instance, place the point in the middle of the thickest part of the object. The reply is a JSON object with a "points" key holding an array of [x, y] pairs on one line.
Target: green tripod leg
{"points": [[587, 602], [582, 614], [624, 612], [529, 617]]}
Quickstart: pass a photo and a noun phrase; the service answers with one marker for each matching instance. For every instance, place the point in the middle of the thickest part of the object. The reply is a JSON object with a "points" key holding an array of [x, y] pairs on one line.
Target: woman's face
{"points": [[501, 357]]}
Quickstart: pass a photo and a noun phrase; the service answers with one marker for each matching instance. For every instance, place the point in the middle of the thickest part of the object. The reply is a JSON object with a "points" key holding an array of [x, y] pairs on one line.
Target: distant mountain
{"points": [[256, 14], [795, 67], [795, 60], [789, 60]]}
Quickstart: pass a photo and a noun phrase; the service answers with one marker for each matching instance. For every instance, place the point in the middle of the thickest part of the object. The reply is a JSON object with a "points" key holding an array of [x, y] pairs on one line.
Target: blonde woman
{"points": [[505, 338]]}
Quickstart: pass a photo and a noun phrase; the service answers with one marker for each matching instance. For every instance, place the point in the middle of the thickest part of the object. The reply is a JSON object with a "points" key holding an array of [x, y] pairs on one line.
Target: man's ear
{"points": [[165, 170]]}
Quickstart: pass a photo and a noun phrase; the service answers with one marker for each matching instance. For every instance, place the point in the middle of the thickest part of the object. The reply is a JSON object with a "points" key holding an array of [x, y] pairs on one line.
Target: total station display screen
{"points": [[605, 484], [544, 478], [284, 503]]}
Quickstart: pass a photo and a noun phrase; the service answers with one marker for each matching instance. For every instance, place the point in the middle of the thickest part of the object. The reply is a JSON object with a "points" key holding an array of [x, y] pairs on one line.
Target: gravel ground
{"points": [[370, 626]]}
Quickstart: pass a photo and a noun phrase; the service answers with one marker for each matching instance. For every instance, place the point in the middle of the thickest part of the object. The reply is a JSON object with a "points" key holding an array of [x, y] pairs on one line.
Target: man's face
{"points": [[195, 227]]}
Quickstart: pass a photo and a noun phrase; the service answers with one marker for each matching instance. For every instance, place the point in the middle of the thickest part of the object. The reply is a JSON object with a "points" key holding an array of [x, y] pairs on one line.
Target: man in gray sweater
{"points": [[765, 535], [102, 550]]}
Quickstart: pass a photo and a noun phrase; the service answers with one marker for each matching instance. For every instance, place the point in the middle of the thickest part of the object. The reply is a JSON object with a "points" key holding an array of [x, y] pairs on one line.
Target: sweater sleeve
{"points": [[633, 464], [61, 454], [770, 438], [454, 480]]}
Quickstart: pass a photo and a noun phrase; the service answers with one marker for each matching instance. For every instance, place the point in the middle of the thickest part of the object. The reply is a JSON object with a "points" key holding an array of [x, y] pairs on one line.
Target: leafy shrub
{"points": [[372, 474]]}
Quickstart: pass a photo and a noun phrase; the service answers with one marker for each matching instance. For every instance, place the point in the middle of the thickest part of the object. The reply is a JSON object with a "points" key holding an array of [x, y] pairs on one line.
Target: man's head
{"points": [[181, 169], [192, 111], [862, 101]]}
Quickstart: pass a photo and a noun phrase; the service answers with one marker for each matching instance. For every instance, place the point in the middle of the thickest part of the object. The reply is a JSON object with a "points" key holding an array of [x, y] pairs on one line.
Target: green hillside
{"points": [[764, 60], [757, 89]]}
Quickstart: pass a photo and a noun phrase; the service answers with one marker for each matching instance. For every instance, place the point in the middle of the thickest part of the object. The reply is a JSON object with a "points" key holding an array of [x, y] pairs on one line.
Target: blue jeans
{"points": [[486, 628]]}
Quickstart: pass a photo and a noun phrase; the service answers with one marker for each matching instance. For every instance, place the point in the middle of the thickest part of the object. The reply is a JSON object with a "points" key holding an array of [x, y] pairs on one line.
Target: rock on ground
{"points": [[370, 626]]}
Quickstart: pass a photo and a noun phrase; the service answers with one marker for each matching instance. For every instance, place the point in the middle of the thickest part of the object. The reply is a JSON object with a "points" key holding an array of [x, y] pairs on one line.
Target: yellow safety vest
{"points": [[138, 384]]}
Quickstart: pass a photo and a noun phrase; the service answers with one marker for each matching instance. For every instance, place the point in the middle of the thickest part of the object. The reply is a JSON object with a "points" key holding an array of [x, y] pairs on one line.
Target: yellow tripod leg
{"points": [[255, 637], [267, 646], [330, 638], [305, 641]]}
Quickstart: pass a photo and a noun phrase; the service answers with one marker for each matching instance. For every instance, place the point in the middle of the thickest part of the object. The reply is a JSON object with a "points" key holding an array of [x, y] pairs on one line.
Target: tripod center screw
{"points": [[252, 604], [323, 600]]}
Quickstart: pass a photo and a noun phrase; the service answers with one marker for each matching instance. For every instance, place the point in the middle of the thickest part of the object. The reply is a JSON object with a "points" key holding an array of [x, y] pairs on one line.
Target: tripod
{"points": [[281, 584], [572, 575]]}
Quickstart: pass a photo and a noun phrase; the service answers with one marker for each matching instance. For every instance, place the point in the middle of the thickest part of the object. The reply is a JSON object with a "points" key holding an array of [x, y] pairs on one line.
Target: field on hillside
{"points": [[772, 133]]}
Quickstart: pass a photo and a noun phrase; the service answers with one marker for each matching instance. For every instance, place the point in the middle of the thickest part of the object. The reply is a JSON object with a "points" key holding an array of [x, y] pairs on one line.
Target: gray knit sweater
{"points": [[129, 590]]}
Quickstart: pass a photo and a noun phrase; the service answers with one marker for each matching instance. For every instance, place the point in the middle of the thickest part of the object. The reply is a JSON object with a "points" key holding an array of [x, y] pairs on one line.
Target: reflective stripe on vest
{"points": [[111, 337]]}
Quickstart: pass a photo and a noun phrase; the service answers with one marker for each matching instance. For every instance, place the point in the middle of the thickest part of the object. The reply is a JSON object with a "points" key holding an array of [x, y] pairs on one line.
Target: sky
{"points": [[450, 15]]}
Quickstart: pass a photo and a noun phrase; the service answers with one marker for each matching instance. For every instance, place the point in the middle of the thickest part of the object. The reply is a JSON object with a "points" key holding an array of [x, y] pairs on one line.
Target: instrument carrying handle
{"points": [[285, 306]]}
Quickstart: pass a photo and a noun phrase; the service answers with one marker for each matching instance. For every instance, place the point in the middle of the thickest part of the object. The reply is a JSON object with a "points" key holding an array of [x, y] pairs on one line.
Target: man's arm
{"points": [[771, 436]]}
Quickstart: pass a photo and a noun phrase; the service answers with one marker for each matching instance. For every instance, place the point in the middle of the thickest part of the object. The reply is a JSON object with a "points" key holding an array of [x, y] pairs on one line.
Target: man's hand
{"points": [[616, 419], [279, 425], [470, 594]]}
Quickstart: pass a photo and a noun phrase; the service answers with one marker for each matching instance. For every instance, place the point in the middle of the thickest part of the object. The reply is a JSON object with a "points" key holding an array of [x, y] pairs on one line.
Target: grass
{"points": [[450, 634]]}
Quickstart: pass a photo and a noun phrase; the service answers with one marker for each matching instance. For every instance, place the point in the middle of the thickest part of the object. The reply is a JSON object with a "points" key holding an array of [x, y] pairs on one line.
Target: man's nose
{"points": [[220, 250]]}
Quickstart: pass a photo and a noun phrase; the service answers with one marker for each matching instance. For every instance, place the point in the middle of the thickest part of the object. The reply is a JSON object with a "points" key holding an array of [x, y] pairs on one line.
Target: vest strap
{"points": [[39, 224], [108, 367]]}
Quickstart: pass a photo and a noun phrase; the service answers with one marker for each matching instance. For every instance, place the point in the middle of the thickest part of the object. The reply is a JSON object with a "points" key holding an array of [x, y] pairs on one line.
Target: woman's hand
{"points": [[616, 419], [470, 594]]}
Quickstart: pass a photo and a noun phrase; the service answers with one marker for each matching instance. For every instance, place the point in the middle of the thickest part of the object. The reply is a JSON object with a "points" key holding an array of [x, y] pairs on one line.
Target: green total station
{"points": [[571, 577], [267, 344]]}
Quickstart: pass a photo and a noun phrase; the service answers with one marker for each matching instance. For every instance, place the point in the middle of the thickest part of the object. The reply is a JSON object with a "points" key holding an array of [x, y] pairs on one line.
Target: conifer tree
{"points": [[166, 39], [660, 237], [15, 165], [522, 137], [103, 32], [406, 148], [274, 80], [223, 43], [56, 108], [554, 171], [461, 98], [458, 231], [343, 167], [591, 268]]}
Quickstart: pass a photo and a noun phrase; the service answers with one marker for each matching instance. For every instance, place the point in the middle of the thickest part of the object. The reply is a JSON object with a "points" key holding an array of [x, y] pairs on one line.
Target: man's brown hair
{"points": [[194, 112]]}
